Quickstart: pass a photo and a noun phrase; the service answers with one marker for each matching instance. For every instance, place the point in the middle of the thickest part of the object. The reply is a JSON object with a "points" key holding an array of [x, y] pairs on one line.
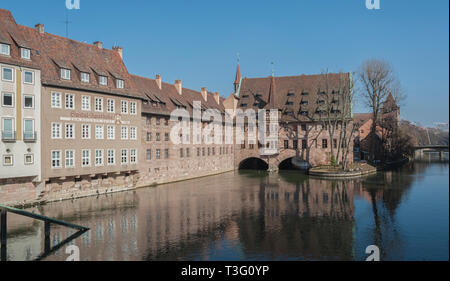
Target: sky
{"points": [[198, 41]]}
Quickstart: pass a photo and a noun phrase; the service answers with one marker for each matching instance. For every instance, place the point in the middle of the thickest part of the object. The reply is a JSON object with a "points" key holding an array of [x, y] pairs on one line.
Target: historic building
{"points": [[307, 106]]}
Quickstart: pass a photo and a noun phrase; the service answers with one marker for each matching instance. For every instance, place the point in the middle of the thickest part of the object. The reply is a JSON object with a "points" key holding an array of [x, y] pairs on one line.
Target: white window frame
{"points": [[56, 134], [70, 101], [12, 160], [98, 104], [25, 53], [72, 158], [25, 159], [72, 131], [111, 157], [133, 133], [122, 131], [88, 158], [103, 80], [65, 74], [120, 84], [12, 99], [124, 107], [99, 158], [86, 106], [56, 159], [111, 132], [133, 108], [99, 134], [8, 48], [83, 77], [124, 156], [24, 103], [83, 135], [133, 156], [32, 77], [56, 100], [110, 106], [33, 125], [12, 74]]}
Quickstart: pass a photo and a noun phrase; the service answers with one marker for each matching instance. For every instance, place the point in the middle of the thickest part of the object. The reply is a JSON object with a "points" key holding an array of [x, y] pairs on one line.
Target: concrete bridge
{"points": [[421, 149]]}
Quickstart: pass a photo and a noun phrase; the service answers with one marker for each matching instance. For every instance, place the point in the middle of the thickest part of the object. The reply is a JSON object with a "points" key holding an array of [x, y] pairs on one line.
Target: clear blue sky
{"points": [[197, 41]]}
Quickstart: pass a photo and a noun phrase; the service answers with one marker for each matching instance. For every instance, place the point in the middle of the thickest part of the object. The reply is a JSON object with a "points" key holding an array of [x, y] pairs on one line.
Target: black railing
{"points": [[9, 136], [47, 223], [29, 136]]}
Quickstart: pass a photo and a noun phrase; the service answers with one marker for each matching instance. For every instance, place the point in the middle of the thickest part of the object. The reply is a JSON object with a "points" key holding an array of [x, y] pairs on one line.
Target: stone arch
{"points": [[253, 163]]}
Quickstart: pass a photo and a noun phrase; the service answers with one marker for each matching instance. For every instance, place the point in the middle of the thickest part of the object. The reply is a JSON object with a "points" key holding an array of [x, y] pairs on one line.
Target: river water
{"points": [[252, 215]]}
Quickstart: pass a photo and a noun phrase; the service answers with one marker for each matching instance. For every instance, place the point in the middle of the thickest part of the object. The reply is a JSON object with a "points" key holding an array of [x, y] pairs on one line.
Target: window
{"points": [[28, 129], [110, 106], [56, 131], [25, 53], [7, 74], [158, 154], [166, 122], [124, 107], [166, 153], [124, 158], [166, 136], [304, 144], [28, 101], [324, 143], [295, 144], [70, 158], [158, 121], [133, 133], [111, 132], [7, 99], [8, 160], [133, 108], [304, 127], [85, 77], [124, 133], [29, 159], [86, 158], [99, 132], [99, 104], [98, 157], [70, 101], [8, 128], [70, 131], [111, 157], [335, 143], [198, 152], [65, 73], [286, 144], [85, 131], [56, 159], [188, 152], [149, 136], [158, 137], [119, 84], [85, 103], [5, 49], [56, 100], [148, 154], [28, 77], [103, 80], [133, 156]]}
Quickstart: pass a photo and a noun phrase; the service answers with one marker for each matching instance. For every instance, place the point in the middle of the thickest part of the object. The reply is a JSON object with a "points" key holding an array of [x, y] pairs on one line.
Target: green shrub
{"points": [[333, 161]]}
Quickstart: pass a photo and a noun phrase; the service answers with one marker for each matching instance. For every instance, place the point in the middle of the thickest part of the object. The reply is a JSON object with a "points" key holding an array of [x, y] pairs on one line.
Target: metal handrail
{"points": [[9, 135], [48, 221]]}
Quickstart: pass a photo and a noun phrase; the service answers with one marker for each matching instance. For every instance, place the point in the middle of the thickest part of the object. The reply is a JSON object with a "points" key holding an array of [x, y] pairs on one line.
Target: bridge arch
{"points": [[291, 163], [253, 163]]}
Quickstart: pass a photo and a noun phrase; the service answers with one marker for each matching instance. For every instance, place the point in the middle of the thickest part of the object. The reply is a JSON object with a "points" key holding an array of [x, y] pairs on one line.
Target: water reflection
{"points": [[245, 216]]}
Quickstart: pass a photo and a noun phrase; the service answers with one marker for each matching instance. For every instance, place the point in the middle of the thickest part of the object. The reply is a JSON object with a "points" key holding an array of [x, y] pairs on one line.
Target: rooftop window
{"points": [[85, 77], [103, 80], [65, 74], [119, 84], [25, 53], [5, 49]]}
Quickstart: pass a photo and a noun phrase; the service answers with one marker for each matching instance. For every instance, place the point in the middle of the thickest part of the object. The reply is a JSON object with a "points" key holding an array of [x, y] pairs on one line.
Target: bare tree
{"points": [[377, 80]]}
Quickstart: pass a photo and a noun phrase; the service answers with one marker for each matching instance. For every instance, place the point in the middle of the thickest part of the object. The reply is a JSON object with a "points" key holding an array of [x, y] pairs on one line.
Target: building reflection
{"points": [[249, 216]]}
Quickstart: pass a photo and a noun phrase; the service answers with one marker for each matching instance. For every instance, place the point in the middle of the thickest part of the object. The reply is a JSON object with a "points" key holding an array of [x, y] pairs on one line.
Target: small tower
{"points": [[237, 81]]}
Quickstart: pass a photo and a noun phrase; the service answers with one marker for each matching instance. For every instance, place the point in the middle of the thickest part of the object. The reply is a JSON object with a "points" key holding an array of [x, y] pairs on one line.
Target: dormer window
{"points": [[85, 77], [65, 73], [25, 53], [5, 49], [119, 84], [103, 80], [290, 94]]}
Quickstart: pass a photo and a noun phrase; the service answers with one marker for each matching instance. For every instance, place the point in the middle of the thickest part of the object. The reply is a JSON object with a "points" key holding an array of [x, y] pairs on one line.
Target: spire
{"points": [[237, 81], [272, 93]]}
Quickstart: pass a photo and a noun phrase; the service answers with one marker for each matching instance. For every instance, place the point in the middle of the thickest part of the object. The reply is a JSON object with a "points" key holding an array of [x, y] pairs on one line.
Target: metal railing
{"points": [[9, 136], [29, 136], [48, 250]]}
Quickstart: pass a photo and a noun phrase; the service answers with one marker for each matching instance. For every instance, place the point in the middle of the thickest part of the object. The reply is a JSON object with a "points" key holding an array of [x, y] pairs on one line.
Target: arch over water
{"points": [[292, 164], [253, 163]]}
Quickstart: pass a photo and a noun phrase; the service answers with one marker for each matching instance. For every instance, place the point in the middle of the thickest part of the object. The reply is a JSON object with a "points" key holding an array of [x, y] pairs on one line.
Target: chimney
{"points": [[205, 93], [98, 44], [217, 97], [118, 50], [159, 81], [40, 27], [179, 87]]}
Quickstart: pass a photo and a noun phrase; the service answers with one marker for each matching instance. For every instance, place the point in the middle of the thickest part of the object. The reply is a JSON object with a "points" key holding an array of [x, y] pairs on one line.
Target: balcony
{"points": [[9, 136], [29, 136]]}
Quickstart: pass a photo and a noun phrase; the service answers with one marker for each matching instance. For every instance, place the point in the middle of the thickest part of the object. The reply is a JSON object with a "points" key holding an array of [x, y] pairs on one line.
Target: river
{"points": [[256, 216]]}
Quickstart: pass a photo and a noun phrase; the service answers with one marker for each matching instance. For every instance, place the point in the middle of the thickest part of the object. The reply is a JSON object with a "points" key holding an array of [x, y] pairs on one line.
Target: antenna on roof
{"points": [[67, 22]]}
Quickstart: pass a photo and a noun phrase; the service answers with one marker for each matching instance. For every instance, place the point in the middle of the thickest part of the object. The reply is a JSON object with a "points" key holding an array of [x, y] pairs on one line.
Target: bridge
{"points": [[421, 149]]}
